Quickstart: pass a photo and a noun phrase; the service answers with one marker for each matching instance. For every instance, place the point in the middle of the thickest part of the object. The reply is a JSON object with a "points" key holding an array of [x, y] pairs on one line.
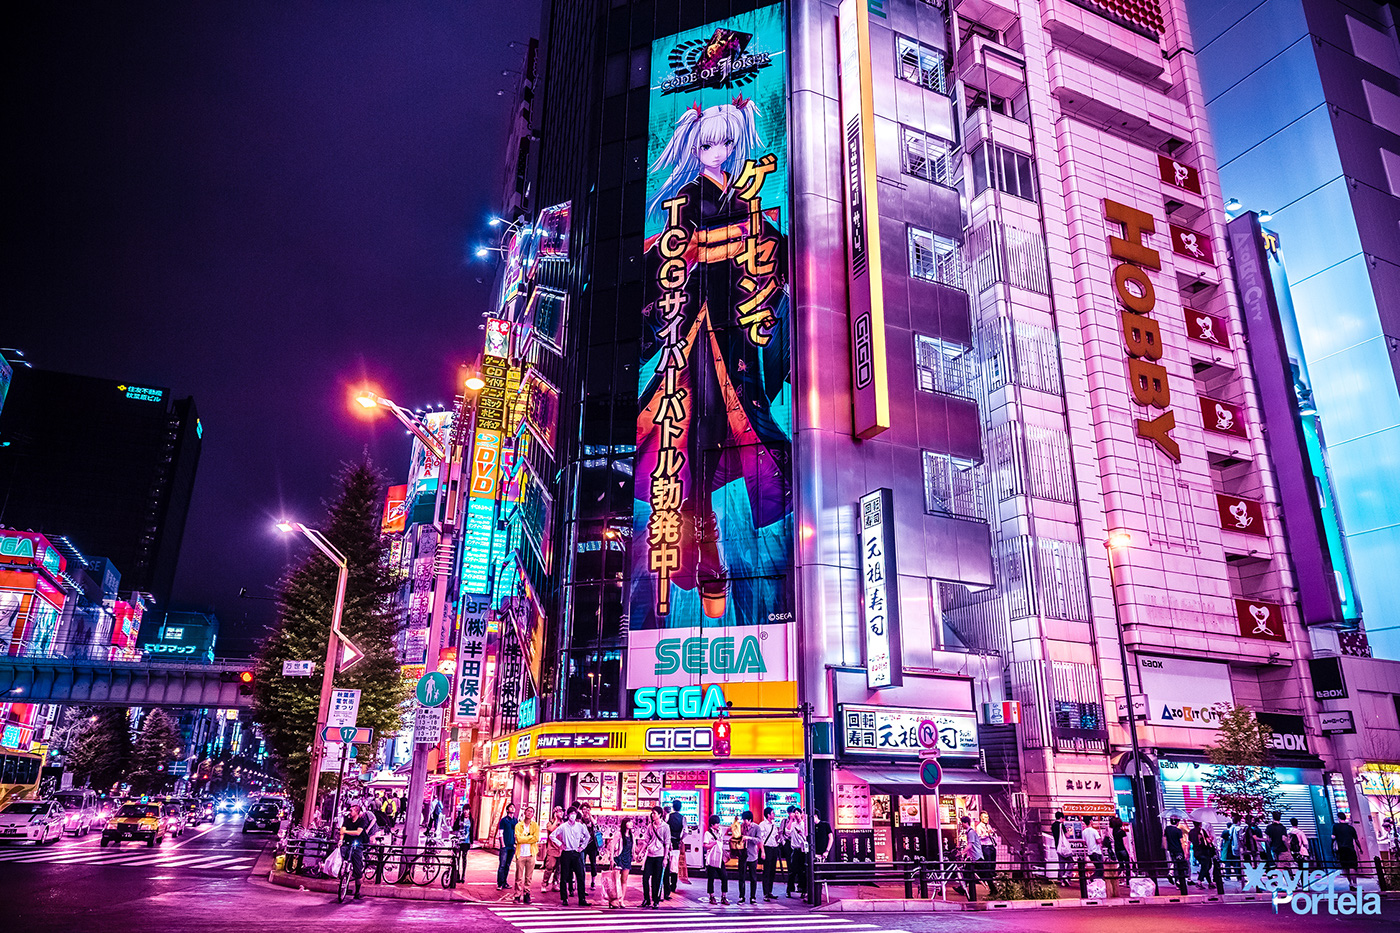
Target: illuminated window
{"points": [[921, 64], [953, 486], [934, 258], [925, 156]]}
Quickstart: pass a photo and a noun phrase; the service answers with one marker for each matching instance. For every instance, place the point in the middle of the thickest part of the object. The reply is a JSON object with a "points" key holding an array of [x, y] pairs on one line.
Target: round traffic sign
{"points": [[928, 733], [434, 688], [930, 773]]}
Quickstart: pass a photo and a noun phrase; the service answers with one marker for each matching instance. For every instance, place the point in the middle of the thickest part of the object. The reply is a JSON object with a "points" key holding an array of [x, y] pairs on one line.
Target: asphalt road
{"points": [[203, 882]]}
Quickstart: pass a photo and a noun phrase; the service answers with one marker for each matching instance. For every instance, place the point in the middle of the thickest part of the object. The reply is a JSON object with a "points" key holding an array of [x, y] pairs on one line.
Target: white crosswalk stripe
{"points": [[555, 919], [153, 858]]}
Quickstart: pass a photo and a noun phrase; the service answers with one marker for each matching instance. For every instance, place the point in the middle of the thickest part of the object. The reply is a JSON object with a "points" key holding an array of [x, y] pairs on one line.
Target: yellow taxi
{"points": [[137, 821]]}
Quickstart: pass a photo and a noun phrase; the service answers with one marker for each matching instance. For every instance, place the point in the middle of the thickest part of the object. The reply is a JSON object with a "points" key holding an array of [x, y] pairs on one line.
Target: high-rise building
{"points": [[1304, 104], [903, 390], [108, 464]]}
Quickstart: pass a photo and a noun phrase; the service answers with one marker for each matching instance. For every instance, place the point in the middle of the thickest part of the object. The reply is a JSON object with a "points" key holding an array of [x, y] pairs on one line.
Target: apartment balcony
{"points": [[991, 68], [994, 14]]}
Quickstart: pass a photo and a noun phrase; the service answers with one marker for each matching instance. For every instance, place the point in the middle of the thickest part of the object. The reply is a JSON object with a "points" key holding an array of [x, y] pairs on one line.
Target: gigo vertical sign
{"points": [[869, 375], [879, 590]]}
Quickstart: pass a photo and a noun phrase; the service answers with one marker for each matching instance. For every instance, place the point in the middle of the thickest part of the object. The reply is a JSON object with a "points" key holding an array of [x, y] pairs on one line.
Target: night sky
{"points": [[261, 205]]}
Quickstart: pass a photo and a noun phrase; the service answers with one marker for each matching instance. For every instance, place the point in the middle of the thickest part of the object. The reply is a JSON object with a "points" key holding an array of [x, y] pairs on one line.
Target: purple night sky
{"points": [[260, 205]]}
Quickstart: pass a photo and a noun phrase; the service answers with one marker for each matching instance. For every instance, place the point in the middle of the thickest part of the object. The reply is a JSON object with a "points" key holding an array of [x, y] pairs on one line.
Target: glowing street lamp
{"points": [[370, 400], [1143, 839], [333, 658]]}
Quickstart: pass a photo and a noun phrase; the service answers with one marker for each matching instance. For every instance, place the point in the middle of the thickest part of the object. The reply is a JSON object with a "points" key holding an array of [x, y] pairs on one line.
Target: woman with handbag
{"points": [[714, 851]]}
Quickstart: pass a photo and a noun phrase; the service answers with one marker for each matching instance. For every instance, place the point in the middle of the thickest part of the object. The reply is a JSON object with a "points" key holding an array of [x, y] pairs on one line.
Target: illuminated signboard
{"points": [[497, 337], [29, 548], [423, 465], [713, 488], [471, 659], [766, 738], [893, 732], [879, 590], [869, 374], [395, 510], [142, 393]]}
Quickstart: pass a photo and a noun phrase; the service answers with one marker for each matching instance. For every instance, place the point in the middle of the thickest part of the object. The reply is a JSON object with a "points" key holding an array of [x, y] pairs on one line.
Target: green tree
{"points": [[99, 747], [158, 743], [286, 707], [1240, 782]]}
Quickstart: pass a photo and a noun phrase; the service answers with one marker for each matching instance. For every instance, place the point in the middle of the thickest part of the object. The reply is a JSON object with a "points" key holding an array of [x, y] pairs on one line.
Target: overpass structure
{"points": [[122, 683]]}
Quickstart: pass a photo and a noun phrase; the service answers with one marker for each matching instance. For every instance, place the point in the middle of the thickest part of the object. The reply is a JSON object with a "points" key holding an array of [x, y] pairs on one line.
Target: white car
{"points": [[36, 821]]}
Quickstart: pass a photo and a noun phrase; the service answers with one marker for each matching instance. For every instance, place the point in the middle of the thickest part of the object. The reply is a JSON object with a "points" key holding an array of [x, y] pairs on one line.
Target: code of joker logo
{"points": [[1306, 891]]}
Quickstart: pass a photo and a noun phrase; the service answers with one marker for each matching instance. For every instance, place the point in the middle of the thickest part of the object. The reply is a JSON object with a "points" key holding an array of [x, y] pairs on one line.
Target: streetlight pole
{"points": [[1141, 845], [318, 744]]}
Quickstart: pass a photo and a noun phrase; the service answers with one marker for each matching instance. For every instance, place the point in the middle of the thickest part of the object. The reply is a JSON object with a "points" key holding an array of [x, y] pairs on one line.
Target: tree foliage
{"points": [[1240, 782], [286, 707], [98, 746], [158, 743]]}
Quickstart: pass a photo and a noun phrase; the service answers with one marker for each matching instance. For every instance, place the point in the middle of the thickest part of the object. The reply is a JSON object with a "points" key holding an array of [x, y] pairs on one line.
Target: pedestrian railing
{"points": [[384, 863]]}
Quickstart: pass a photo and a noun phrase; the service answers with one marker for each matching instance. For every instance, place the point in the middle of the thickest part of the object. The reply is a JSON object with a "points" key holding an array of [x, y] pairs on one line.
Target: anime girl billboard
{"points": [[712, 516]]}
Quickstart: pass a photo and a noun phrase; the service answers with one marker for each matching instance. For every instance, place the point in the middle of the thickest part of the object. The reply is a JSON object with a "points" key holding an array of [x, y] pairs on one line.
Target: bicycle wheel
{"points": [[345, 871], [394, 867], [425, 868]]}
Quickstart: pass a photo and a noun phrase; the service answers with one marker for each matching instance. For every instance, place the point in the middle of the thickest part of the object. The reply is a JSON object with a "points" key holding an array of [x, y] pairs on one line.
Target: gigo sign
{"points": [[678, 702], [1142, 338]]}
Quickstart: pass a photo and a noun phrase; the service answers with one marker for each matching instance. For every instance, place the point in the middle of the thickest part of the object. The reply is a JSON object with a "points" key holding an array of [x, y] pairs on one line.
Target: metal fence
{"points": [[384, 863]]}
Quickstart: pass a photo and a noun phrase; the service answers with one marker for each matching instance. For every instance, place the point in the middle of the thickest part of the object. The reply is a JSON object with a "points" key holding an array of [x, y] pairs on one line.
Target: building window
{"points": [[921, 64], [925, 156], [1011, 171], [945, 367], [953, 486], [934, 258]]}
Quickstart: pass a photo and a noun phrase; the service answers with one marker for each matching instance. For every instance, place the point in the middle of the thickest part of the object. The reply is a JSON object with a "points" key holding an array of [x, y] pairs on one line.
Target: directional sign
{"points": [[434, 689], [349, 654], [347, 734], [298, 668]]}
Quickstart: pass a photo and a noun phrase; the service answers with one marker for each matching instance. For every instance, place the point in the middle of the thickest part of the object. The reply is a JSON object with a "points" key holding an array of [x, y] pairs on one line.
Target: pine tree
{"points": [[158, 743], [99, 748], [1240, 782], [286, 707]]}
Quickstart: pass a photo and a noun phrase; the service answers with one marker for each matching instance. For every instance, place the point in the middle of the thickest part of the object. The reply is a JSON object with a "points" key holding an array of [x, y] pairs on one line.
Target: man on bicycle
{"points": [[354, 834]]}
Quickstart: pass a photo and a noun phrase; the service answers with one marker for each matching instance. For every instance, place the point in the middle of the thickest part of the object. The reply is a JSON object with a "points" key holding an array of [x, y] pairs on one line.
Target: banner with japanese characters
{"points": [[471, 657], [712, 515]]}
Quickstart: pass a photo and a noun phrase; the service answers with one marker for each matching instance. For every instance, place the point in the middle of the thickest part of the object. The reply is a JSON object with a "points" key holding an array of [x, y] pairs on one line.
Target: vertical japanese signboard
{"points": [[471, 659], [712, 513], [879, 590], [869, 375]]}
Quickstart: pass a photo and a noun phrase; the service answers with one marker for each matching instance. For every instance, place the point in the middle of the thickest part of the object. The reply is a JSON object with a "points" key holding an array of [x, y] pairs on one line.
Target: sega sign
{"points": [[699, 656]]}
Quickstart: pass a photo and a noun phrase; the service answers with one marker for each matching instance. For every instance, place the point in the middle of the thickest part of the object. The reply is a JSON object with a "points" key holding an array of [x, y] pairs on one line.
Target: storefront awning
{"points": [[954, 779]]}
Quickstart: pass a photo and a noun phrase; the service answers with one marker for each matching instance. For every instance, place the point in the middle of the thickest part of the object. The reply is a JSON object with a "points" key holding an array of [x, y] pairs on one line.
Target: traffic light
{"points": [[245, 683], [719, 738]]}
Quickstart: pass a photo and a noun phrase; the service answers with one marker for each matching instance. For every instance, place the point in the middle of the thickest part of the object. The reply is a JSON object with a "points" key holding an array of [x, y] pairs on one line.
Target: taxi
{"points": [[137, 822]]}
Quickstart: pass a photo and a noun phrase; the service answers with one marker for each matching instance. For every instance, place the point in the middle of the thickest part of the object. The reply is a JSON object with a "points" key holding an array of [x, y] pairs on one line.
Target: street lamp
{"points": [[318, 745], [1121, 540], [370, 400]]}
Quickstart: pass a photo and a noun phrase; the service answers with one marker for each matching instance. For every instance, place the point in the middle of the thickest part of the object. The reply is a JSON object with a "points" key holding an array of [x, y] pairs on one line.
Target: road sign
{"points": [[427, 725], [928, 734], [344, 710], [347, 734], [930, 773], [434, 689], [336, 756], [349, 654], [298, 668]]}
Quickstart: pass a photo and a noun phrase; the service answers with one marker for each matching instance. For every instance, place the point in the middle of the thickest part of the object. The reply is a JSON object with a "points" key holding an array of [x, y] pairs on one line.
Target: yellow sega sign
{"points": [[622, 740]]}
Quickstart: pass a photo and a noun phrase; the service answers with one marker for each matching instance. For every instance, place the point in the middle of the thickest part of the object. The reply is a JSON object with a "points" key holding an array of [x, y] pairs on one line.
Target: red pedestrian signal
{"points": [[245, 683], [719, 738]]}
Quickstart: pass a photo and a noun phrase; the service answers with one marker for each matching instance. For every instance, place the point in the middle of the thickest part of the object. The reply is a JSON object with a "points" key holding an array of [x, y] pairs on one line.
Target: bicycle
{"points": [[347, 872]]}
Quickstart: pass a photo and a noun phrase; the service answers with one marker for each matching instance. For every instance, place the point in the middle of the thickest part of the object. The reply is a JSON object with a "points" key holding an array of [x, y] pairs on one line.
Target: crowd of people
{"points": [[574, 848]]}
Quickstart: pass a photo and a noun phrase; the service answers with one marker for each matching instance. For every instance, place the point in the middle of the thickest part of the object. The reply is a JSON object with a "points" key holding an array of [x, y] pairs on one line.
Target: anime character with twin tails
{"points": [[733, 334]]}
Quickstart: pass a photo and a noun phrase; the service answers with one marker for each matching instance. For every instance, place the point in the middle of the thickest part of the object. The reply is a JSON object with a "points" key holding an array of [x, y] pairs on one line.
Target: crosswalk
{"points": [[132, 858], [555, 919]]}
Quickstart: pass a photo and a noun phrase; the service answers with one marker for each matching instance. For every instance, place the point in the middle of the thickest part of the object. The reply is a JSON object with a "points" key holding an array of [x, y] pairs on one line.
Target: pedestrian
{"points": [[797, 841], [1064, 850], [1174, 836], [749, 854], [1093, 843], [527, 840], [1277, 837], [1229, 847], [822, 837], [462, 829], [608, 857], [1204, 851], [1118, 835], [1297, 845], [624, 858], [595, 838], [987, 836], [675, 821], [1347, 845], [552, 850], [656, 845], [970, 854], [573, 837], [505, 845], [714, 850], [768, 833], [1250, 837], [435, 817]]}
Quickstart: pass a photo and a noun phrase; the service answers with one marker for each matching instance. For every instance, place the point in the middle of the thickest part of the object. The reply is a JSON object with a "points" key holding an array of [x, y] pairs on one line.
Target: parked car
{"points": [[137, 821], [264, 817], [80, 811], [36, 821]]}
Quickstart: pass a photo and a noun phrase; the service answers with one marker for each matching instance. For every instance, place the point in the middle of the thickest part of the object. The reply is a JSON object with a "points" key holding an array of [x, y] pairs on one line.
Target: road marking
{"points": [[543, 919]]}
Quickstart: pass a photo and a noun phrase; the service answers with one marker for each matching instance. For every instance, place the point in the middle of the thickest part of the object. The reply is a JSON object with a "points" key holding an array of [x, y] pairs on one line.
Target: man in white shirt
{"points": [[1093, 838], [572, 837], [769, 837]]}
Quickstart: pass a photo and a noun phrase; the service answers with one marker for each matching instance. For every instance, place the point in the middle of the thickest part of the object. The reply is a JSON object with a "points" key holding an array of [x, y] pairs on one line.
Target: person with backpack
{"points": [[1278, 842], [1064, 849], [1250, 837], [655, 842], [1297, 845], [714, 852]]}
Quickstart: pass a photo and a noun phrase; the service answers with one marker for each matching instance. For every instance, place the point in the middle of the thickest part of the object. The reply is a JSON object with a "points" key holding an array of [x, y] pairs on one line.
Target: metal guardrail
{"points": [[385, 863]]}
